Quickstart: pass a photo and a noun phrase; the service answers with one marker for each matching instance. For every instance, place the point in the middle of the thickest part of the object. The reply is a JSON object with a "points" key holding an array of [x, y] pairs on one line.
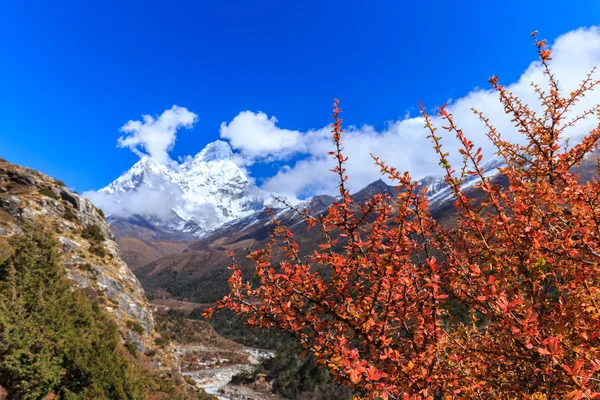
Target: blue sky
{"points": [[74, 72]]}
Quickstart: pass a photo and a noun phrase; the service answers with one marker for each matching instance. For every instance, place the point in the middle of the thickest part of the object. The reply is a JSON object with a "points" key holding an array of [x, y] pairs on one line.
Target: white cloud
{"points": [[257, 137], [143, 201], [155, 137], [154, 202], [404, 143]]}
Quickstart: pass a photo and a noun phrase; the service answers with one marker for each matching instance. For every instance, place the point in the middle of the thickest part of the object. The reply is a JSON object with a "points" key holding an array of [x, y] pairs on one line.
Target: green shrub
{"points": [[88, 267], [5, 249], [150, 353], [48, 193], [101, 212], [190, 381], [135, 326], [93, 232], [169, 388], [175, 313], [98, 250], [60, 183], [202, 395], [69, 215], [296, 378], [230, 326], [163, 340], [54, 339], [131, 347]]}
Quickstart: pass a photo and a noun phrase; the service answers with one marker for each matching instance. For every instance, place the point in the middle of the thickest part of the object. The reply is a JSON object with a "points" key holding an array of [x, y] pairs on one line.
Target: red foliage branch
{"points": [[502, 305]]}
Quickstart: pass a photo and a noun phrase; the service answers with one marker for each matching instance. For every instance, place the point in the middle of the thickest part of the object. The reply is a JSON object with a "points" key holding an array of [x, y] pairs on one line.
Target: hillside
{"points": [[46, 227]]}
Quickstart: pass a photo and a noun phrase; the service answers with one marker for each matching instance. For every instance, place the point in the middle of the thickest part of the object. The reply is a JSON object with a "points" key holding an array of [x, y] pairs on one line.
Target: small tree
{"points": [[381, 313]]}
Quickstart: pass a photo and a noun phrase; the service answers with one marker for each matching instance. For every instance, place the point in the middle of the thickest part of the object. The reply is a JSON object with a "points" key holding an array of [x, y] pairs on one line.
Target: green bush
{"points": [[88, 267], [48, 193], [296, 378], [98, 250], [54, 339], [163, 340], [175, 313], [135, 326], [230, 326], [69, 215], [93, 233], [131, 347], [202, 395], [60, 183], [190, 381], [5, 249]]}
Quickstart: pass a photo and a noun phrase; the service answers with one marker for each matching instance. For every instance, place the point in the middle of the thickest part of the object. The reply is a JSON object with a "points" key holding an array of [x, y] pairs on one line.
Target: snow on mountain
{"points": [[209, 191], [194, 197], [439, 192]]}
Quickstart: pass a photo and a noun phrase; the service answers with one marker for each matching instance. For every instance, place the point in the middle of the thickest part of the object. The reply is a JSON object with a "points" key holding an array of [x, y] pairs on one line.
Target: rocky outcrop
{"points": [[91, 257]]}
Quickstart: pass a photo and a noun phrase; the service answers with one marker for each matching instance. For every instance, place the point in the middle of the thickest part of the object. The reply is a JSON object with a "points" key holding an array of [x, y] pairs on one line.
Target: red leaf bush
{"points": [[521, 265]]}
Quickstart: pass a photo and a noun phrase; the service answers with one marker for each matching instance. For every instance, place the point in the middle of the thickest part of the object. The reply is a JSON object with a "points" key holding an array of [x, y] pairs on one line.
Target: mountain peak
{"points": [[147, 163], [217, 150], [193, 197]]}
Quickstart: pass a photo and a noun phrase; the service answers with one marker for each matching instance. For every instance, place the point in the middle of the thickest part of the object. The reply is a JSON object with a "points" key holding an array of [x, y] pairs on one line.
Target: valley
{"points": [[300, 201]]}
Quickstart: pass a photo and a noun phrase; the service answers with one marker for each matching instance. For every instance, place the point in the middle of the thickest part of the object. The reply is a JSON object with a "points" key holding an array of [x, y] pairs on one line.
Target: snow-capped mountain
{"points": [[177, 272], [194, 197], [209, 191], [439, 193]]}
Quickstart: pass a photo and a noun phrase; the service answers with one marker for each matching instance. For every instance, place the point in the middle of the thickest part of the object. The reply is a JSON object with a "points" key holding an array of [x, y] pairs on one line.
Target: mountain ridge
{"points": [[191, 198], [199, 273], [202, 194]]}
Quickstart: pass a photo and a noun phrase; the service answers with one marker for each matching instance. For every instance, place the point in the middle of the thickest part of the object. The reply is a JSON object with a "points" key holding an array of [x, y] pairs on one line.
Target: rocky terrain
{"points": [[94, 263], [90, 255], [211, 361]]}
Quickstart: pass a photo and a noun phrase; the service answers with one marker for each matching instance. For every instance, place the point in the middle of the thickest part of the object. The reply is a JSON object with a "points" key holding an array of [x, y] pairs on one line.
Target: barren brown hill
{"points": [[137, 253], [141, 242], [199, 273]]}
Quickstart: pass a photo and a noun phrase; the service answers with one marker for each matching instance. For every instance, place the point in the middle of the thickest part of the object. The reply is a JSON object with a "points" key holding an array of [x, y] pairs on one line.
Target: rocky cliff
{"points": [[87, 250]]}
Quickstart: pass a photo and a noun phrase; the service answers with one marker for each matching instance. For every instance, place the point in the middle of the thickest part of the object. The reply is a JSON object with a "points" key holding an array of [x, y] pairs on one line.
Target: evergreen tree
{"points": [[53, 339]]}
